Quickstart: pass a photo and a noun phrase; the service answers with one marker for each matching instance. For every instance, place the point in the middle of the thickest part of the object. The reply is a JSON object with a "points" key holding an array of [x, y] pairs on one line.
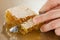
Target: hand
{"points": [[50, 15]]}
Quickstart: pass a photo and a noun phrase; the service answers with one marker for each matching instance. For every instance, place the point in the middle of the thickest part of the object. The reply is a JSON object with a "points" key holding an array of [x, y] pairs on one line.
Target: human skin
{"points": [[50, 11]]}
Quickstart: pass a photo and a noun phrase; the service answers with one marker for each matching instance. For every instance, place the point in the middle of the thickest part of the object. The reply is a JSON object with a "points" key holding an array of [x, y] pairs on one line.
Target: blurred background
{"points": [[5, 4]]}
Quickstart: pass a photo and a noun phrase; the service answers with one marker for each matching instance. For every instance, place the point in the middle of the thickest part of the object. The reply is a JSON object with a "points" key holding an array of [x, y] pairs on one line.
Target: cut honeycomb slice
{"points": [[28, 26], [19, 14]]}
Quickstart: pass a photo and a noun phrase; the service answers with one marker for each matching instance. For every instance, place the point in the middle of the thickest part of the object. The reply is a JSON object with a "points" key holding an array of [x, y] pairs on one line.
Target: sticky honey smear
{"points": [[21, 28], [7, 33], [18, 35]]}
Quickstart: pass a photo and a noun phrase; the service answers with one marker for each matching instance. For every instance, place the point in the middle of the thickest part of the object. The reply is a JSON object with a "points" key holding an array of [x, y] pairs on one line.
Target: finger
{"points": [[47, 16], [50, 4], [50, 26], [57, 31]]}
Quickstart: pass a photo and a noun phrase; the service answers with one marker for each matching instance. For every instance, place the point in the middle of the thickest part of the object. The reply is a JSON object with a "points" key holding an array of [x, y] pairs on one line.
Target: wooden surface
{"points": [[34, 35]]}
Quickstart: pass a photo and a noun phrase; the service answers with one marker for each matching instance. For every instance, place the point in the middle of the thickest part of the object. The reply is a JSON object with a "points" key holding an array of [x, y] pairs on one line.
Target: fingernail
{"points": [[45, 28], [57, 31], [35, 20], [41, 30]]}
